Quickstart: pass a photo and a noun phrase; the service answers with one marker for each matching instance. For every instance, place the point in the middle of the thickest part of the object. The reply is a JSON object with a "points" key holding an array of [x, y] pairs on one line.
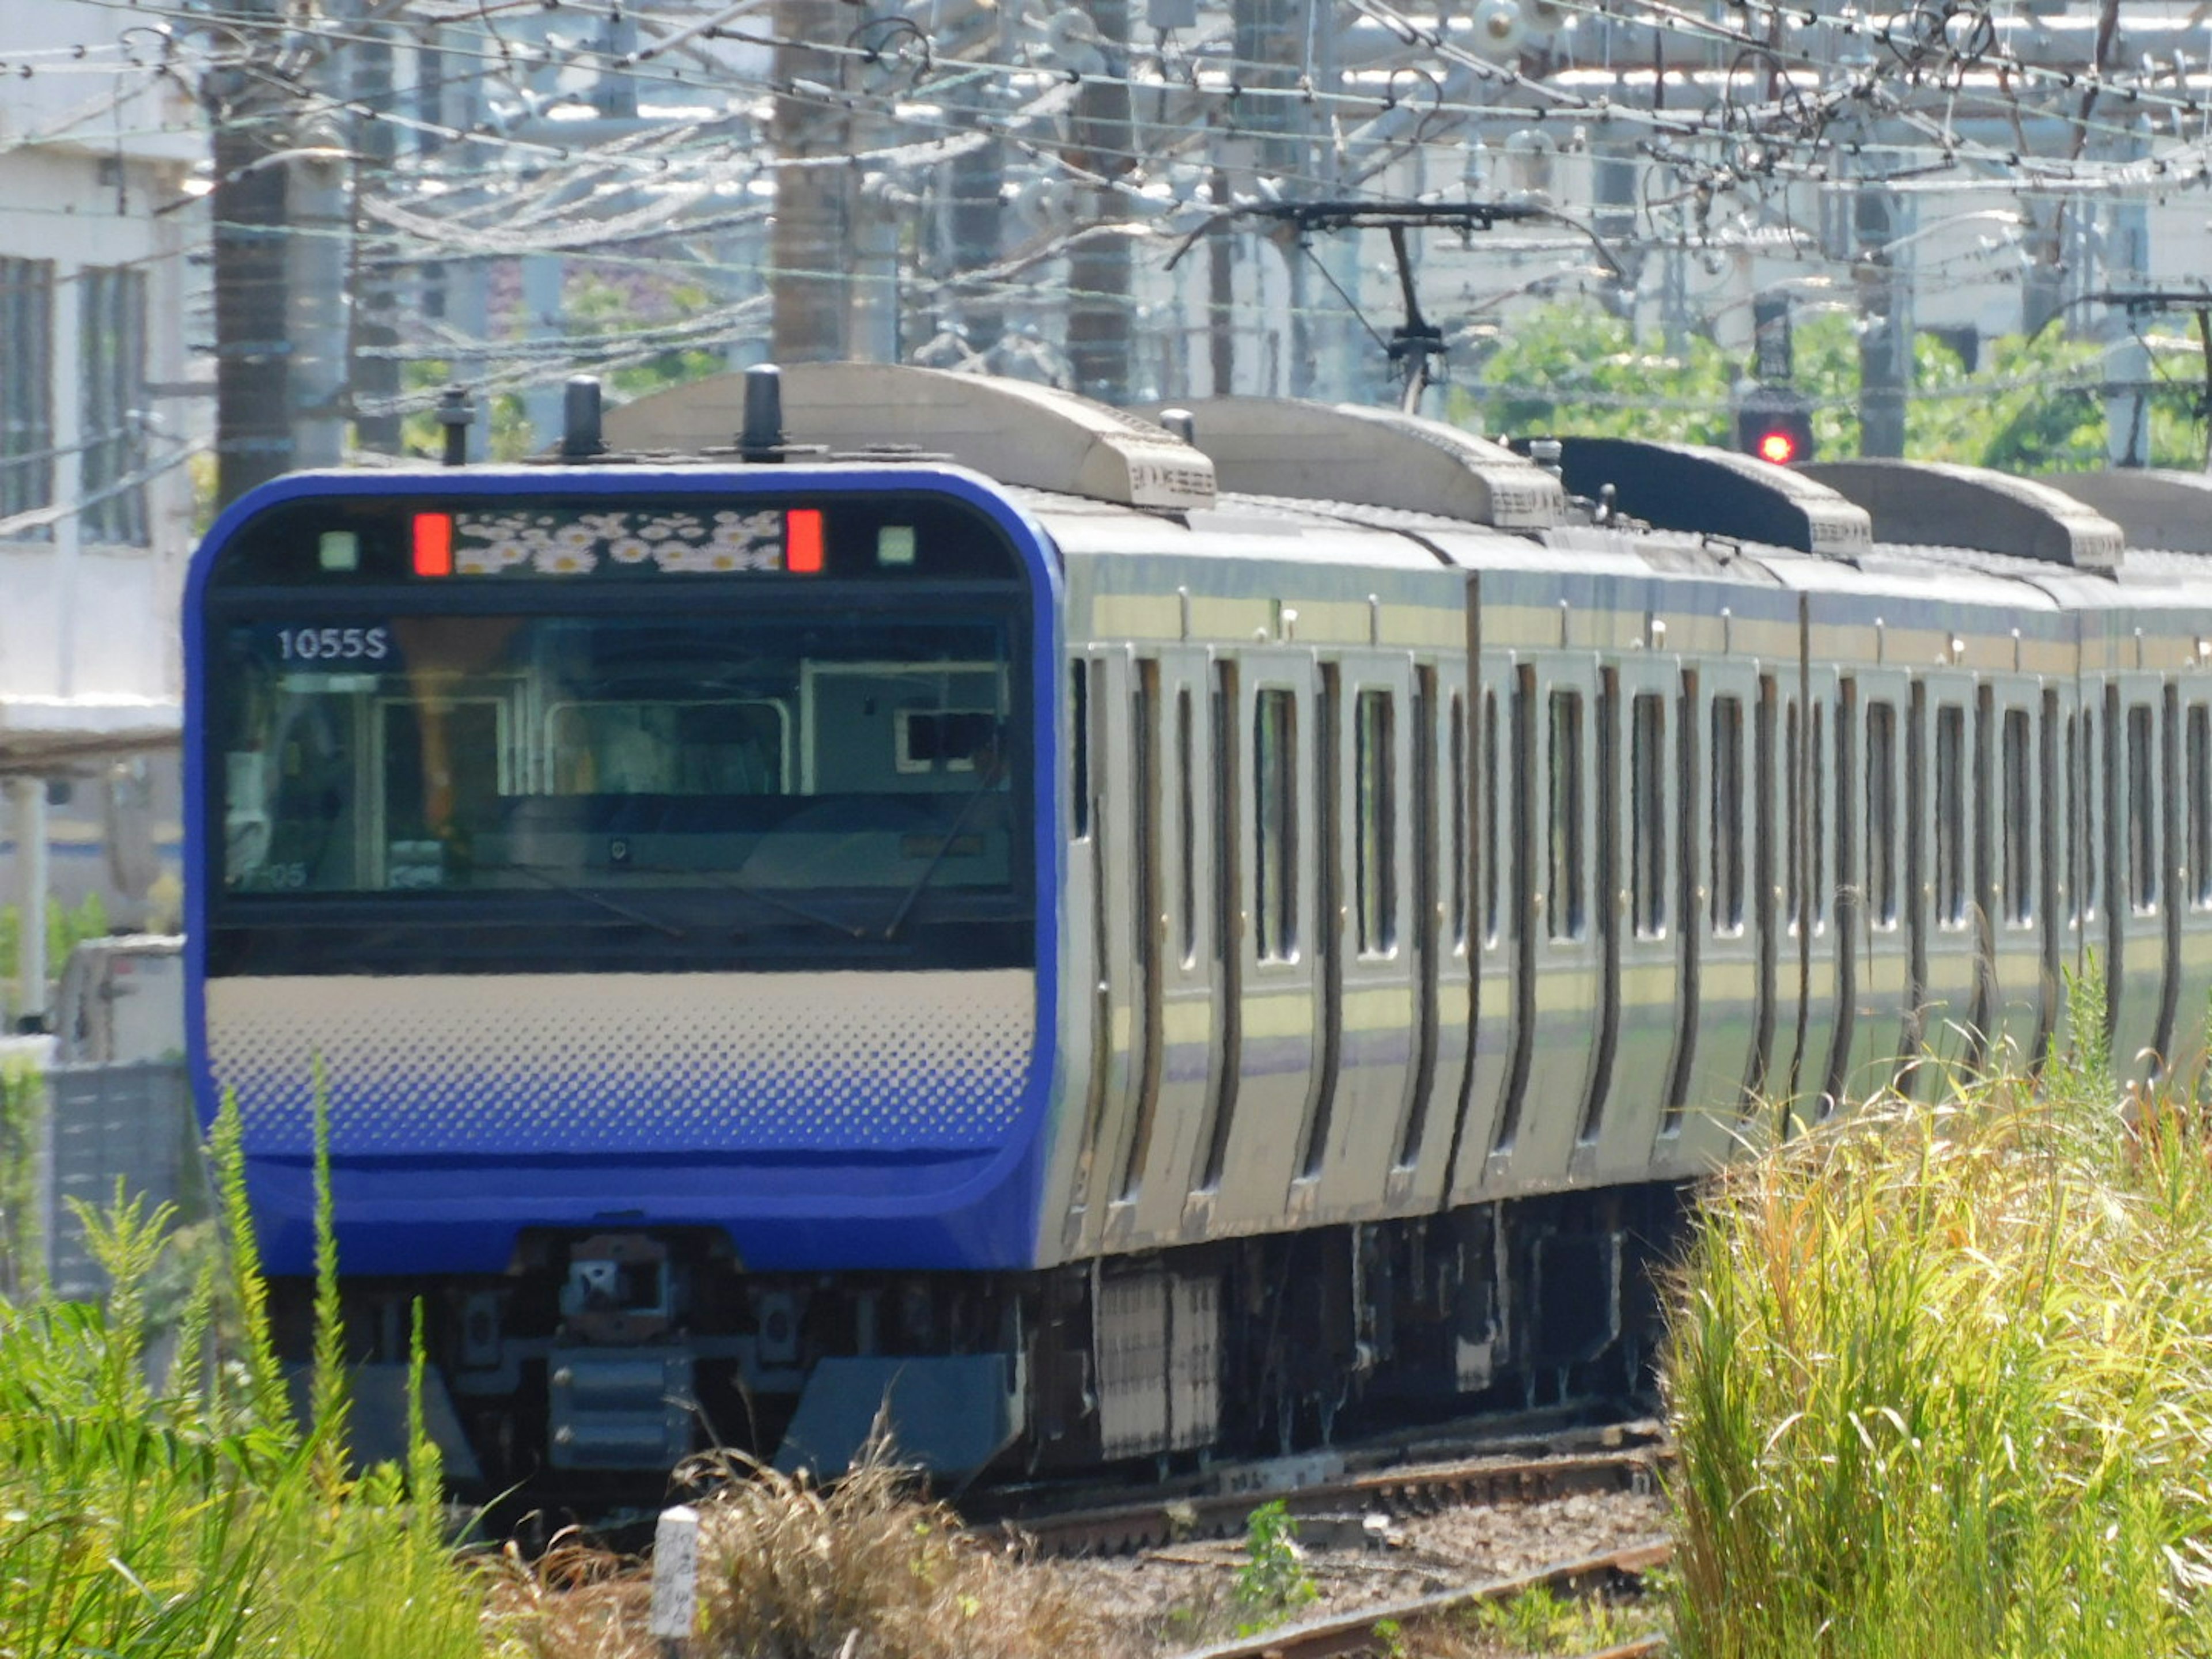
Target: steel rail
{"points": [[1351, 1633], [1120, 1528]]}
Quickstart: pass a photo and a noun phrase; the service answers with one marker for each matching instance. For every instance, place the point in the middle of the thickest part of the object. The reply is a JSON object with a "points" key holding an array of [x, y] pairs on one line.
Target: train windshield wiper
{"points": [[944, 846], [771, 900], [546, 879]]}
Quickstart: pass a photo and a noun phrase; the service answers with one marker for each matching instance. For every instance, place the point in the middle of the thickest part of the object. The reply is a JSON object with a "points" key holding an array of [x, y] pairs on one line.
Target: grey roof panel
{"points": [[1941, 503]]}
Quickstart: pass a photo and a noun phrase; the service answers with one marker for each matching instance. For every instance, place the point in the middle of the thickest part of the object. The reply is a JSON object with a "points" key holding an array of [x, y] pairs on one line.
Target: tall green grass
{"points": [[1941, 1379], [22, 1103], [192, 1516]]}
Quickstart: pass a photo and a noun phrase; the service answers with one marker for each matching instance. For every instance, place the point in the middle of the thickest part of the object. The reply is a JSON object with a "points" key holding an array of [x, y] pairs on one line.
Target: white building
{"points": [[97, 428]]}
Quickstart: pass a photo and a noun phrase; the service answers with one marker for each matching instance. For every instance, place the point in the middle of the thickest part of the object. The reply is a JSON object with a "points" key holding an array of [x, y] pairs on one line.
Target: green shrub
{"points": [[1274, 1582]]}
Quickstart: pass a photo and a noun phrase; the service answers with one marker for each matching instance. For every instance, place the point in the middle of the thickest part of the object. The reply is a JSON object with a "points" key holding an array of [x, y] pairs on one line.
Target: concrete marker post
{"points": [[675, 1580]]}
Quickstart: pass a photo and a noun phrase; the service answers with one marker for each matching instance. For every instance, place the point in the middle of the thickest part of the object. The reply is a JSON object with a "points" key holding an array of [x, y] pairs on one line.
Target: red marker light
{"points": [[1778, 447], [802, 541], [433, 543]]}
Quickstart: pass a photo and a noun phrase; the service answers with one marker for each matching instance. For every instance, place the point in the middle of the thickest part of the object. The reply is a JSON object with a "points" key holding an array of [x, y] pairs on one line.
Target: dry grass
{"points": [[867, 1568], [575, 1602]]}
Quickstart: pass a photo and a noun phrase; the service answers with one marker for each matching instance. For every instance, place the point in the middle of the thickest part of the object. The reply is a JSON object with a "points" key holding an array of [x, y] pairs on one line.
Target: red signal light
{"points": [[1777, 446], [433, 543], [803, 540]]}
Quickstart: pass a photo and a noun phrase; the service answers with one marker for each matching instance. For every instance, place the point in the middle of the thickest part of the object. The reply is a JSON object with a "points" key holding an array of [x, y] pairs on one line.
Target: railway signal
{"points": [[1776, 424], [1773, 421]]}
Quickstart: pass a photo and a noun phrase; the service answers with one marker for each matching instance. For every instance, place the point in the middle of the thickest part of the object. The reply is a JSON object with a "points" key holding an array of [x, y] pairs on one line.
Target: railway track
{"points": [[1348, 1501], [1616, 1571]]}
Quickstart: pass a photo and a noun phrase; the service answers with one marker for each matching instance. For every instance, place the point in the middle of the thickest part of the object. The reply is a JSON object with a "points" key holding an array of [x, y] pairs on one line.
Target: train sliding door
{"points": [[1119, 779], [1280, 1020], [1179, 1029], [1642, 765], [1811, 967], [1127, 700], [1501, 832], [2010, 841], [1719, 943], [1879, 965], [1943, 937], [2192, 897], [1437, 931], [1376, 946], [1555, 713], [2140, 764]]}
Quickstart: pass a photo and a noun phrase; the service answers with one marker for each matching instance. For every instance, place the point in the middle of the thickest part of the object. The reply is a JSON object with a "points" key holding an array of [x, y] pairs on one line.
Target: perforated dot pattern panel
{"points": [[628, 1062]]}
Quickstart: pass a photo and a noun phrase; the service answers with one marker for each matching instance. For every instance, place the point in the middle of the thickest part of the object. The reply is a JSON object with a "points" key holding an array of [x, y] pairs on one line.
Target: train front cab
{"points": [[635, 874]]}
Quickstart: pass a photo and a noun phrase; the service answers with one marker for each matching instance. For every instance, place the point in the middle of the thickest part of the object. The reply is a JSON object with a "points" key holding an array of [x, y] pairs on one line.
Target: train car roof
{"points": [[1016, 432], [1233, 528], [1939, 503], [1357, 456], [2155, 507]]}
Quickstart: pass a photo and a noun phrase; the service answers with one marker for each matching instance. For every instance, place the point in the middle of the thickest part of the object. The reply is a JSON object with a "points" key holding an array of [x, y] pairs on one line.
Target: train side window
{"points": [[1647, 807], [1374, 832], [1817, 784], [1186, 826], [1563, 897], [1950, 815], [1726, 822], [2086, 823], [1459, 781], [2018, 895], [1848, 896], [1881, 813], [2142, 821], [2072, 746], [2199, 795], [1274, 825], [1491, 849], [1793, 820], [1079, 704]]}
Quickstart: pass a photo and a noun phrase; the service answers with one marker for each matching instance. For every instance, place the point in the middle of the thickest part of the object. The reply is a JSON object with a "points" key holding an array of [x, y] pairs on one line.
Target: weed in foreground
{"points": [[791, 1569], [1273, 1583], [1941, 1380], [190, 1518]]}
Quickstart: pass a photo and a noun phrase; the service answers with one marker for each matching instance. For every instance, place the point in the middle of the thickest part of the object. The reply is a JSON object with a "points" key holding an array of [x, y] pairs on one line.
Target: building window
{"points": [[27, 389], [112, 303]]}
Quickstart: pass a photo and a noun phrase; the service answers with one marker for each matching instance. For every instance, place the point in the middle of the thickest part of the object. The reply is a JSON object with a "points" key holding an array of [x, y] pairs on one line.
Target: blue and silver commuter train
{"points": [[1124, 939]]}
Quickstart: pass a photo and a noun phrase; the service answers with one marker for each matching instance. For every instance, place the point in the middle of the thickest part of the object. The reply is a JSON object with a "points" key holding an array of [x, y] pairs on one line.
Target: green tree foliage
{"points": [[1576, 367], [599, 313], [2029, 405]]}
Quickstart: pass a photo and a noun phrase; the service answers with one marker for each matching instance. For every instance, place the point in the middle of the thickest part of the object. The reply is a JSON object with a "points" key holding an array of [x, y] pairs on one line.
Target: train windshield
{"points": [[786, 773]]}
